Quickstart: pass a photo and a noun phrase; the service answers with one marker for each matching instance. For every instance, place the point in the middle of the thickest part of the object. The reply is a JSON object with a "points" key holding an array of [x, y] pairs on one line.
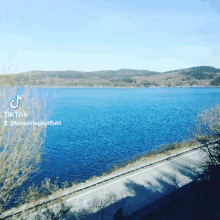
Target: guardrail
{"points": [[69, 192]]}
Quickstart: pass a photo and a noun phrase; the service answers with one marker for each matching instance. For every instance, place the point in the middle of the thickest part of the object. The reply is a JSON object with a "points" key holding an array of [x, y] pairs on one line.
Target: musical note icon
{"points": [[15, 103]]}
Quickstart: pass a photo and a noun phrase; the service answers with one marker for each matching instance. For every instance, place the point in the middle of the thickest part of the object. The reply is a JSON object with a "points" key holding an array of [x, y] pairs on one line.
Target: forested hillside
{"points": [[195, 76]]}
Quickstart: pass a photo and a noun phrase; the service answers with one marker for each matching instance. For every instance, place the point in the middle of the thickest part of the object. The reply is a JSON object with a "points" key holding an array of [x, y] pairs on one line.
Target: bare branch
{"points": [[20, 145]]}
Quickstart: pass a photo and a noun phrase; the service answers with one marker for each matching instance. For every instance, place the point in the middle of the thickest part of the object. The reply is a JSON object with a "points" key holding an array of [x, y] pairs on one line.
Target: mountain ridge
{"points": [[193, 76]]}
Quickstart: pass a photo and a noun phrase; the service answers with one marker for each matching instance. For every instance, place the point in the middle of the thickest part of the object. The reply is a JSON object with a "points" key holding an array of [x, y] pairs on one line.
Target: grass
{"points": [[150, 156]]}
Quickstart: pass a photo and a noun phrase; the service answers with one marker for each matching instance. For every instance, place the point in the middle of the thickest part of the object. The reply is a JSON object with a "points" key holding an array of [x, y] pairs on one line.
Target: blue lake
{"points": [[103, 127]]}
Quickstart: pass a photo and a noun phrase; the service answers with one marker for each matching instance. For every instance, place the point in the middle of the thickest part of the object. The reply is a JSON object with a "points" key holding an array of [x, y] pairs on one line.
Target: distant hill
{"points": [[200, 72], [195, 76], [104, 73], [215, 82]]}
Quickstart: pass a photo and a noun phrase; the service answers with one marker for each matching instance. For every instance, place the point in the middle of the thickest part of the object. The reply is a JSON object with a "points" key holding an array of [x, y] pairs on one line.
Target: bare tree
{"points": [[209, 123], [20, 142], [35, 192]]}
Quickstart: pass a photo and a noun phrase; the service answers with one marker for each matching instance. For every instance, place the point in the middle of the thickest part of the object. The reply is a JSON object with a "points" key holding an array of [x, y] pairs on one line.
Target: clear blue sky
{"points": [[90, 35]]}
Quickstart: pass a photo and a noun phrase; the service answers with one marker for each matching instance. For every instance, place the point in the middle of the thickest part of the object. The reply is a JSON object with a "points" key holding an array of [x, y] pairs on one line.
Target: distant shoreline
{"points": [[103, 87], [201, 76]]}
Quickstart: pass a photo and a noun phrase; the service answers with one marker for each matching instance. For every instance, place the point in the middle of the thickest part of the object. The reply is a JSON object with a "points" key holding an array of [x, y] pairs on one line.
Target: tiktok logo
{"points": [[15, 103]]}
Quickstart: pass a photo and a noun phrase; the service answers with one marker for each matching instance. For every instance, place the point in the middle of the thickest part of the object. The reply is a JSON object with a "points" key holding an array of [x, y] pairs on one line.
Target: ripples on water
{"points": [[105, 127]]}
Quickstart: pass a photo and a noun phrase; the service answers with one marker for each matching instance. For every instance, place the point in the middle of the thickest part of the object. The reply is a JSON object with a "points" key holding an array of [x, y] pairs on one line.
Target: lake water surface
{"points": [[103, 127]]}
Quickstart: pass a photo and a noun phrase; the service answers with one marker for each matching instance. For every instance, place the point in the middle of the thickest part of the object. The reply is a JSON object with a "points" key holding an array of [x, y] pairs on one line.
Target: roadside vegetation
{"points": [[20, 146], [160, 152], [21, 151]]}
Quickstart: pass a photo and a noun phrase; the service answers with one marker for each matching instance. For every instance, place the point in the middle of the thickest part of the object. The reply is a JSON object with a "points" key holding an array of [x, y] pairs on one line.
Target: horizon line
{"points": [[10, 71]]}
